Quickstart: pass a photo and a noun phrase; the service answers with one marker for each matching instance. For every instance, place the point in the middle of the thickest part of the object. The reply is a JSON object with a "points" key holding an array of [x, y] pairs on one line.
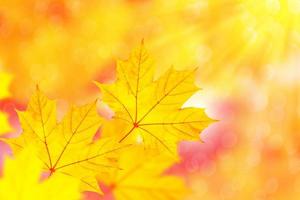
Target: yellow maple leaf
{"points": [[149, 110], [67, 146], [142, 177], [5, 80], [22, 181]]}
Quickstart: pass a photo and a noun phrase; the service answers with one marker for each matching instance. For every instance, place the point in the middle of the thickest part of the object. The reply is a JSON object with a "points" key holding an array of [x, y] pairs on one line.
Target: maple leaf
{"points": [[67, 146], [22, 181], [150, 110], [142, 177]]}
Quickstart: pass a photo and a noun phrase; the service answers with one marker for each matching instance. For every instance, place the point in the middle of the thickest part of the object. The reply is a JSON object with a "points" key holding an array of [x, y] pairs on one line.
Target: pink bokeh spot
{"points": [[45, 175], [218, 138], [9, 106], [5, 151], [107, 193], [104, 110]]}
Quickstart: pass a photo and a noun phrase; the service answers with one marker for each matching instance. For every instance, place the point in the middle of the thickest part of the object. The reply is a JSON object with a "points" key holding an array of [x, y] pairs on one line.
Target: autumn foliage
{"points": [[125, 157]]}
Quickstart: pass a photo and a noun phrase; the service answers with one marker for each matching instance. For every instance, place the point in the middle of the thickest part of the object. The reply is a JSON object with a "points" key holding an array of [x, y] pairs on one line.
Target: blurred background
{"points": [[248, 56]]}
